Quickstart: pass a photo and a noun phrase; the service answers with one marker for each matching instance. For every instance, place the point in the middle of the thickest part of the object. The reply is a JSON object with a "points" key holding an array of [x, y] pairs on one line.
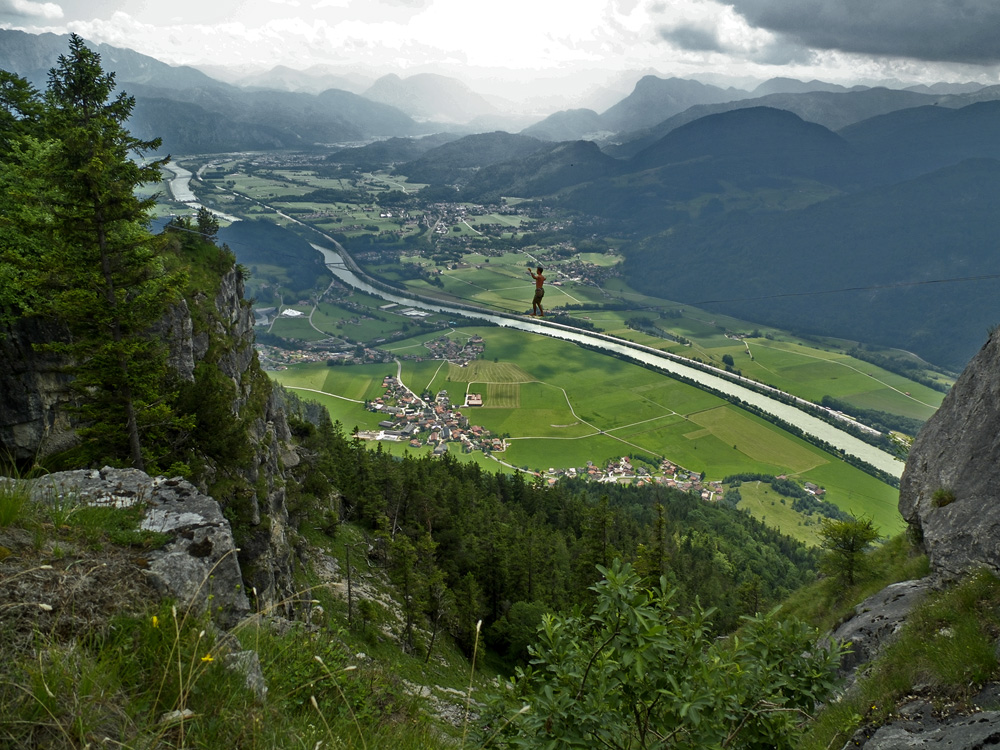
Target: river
{"points": [[181, 190], [785, 412]]}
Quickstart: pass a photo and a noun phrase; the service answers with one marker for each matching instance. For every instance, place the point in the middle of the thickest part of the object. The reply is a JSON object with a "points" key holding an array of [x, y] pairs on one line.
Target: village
{"points": [[436, 422]]}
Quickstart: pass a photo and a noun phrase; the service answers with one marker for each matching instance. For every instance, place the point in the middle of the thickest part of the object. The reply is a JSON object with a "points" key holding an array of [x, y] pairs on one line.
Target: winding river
{"points": [[342, 267], [645, 355]]}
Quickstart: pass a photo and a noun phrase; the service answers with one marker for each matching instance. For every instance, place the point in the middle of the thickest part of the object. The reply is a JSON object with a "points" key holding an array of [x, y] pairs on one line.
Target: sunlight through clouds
{"points": [[731, 39]]}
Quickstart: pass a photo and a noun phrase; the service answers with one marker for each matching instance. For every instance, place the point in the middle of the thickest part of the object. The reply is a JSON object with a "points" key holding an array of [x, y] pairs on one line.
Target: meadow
{"points": [[562, 406]]}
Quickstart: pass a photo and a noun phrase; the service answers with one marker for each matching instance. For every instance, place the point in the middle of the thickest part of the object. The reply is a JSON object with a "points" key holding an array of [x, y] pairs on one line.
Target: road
{"points": [[786, 412], [343, 268]]}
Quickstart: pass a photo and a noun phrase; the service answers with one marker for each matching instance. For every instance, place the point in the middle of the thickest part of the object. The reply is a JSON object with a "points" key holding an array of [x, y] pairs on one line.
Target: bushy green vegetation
{"points": [[487, 535], [945, 652], [639, 672]]}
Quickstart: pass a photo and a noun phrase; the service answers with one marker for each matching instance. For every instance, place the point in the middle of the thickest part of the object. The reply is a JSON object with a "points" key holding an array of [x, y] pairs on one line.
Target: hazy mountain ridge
{"points": [[458, 160], [829, 109], [655, 99], [545, 171], [32, 56], [762, 140], [567, 125], [229, 118], [430, 97], [906, 143], [390, 151], [312, 80]]}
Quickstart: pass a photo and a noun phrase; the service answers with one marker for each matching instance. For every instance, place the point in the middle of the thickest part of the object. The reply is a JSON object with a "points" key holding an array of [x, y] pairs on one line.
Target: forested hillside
{"points": [[882, 251], [507, 548]]}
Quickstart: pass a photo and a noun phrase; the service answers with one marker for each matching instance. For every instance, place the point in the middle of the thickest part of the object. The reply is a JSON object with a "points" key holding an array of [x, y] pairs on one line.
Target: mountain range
{"points": [[741, 198], [881, 232]]}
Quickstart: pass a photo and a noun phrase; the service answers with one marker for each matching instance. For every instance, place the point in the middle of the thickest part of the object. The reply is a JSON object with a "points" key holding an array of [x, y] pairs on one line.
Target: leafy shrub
{"points": [[638, 672]]}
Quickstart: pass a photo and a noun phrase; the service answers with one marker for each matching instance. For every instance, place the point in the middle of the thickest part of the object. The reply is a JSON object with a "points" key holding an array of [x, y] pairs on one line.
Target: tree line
{"points": [[466, 545]]}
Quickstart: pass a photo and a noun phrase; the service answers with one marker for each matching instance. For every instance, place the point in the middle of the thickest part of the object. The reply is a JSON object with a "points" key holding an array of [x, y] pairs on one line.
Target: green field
{"points": [[805, 369], [562, 406], [763, 503]]}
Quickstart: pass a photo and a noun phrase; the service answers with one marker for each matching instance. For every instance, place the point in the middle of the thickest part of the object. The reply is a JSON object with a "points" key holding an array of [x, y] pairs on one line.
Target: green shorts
{"points": [[539, 293]]}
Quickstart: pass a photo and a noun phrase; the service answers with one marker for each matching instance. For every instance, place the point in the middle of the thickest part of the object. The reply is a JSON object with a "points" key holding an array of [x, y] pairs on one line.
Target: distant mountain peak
{"points": [[429, 96]]}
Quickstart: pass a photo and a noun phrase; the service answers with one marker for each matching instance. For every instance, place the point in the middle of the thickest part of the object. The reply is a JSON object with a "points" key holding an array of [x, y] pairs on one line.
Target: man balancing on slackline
{"points": [[536, 302]]}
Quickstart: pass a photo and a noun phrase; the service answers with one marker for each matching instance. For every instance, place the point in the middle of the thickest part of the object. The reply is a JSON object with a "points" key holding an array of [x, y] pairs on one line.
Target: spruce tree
{"points": [[104, 278]]}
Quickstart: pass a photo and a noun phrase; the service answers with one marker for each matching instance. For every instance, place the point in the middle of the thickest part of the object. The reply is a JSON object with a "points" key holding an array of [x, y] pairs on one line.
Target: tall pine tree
{"points": [[111, 285], [94, 267]]}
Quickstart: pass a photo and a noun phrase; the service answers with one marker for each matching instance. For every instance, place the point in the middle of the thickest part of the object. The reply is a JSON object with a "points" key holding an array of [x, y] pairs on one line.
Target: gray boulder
{"points": [[877, 621], [198, 566], [919, 729], [950, 490]]}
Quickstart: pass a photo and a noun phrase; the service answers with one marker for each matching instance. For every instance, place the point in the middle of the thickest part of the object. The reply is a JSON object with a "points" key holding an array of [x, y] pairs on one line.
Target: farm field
{"points": [[562, 406], [764, 504], [499, 281]]}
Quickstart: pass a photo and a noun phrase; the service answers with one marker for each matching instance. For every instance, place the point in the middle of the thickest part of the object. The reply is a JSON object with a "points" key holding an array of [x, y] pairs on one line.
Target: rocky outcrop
{"points": [[877, 621], [918, 728], [197, 566], [209, 330], [265, 550], [950, 491], [950, 498]]}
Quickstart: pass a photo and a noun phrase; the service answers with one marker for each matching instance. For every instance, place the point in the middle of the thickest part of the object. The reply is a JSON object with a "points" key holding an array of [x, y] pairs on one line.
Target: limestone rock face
{"points": [[198, 567], [34, 393], [919, 729], [214, 331], [950, 490], [877, 621]]}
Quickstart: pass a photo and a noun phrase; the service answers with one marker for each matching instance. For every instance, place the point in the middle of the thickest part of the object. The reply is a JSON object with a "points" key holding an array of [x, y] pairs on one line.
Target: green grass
{"points": [[945, 649], [14, 501], [584, 406], [763, 503], [135, 674]]}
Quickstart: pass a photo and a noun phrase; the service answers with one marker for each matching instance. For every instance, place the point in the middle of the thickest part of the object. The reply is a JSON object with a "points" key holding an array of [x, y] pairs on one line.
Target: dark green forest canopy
{"points": [[502, 539], [760, 214], [891, 246]]}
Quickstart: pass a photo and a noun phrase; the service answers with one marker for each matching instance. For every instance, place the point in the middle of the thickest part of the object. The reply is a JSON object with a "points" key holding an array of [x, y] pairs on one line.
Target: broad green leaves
{"points": [[639, 672]]}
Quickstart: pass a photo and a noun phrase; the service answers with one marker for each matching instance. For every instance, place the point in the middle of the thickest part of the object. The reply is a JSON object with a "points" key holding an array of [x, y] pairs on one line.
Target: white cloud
{"points": [[28, 9], [523, 40]]}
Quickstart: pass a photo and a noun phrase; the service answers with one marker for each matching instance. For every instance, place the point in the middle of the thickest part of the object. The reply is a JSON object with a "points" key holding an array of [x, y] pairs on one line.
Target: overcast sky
{"points": [[842, 41]]}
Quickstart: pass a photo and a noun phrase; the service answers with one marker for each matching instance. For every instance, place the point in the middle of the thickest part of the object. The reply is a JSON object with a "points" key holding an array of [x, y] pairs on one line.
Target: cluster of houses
{"points": [[419, 421], [624, 471], [455, 351]]}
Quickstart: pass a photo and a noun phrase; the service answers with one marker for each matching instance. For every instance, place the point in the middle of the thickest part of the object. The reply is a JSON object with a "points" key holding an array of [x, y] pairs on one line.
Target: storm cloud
{"points": [[962, 31], [691, 37]]}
